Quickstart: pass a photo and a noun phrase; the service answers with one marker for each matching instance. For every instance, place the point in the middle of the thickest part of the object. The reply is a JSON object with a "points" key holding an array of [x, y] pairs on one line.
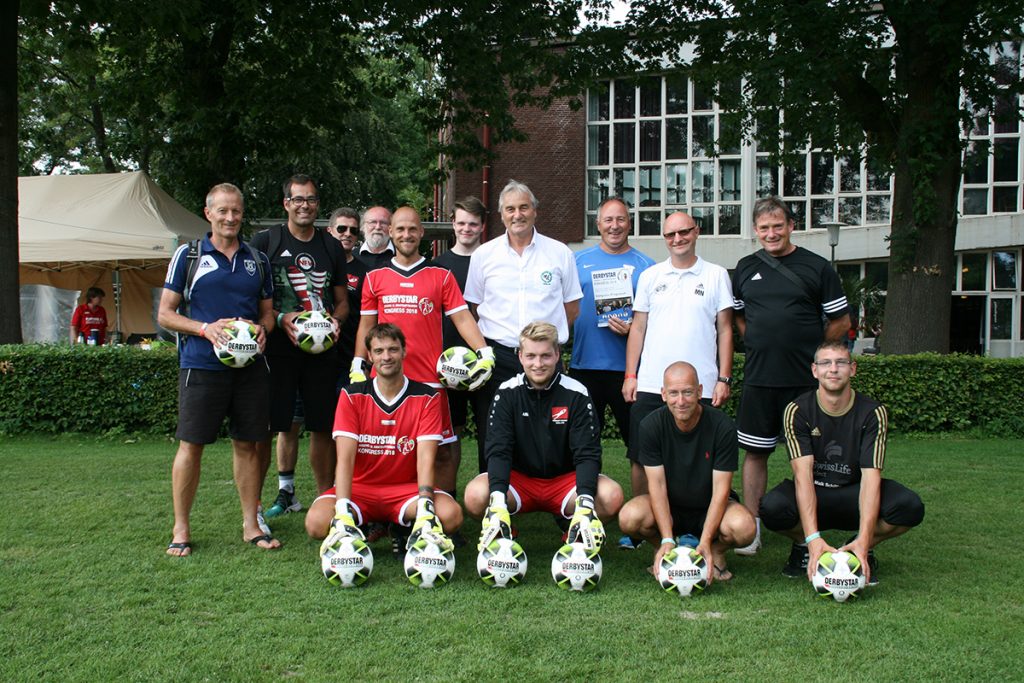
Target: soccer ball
{"points": [[454, 366], [427, 565], [313, 331], [241, 348], [838, 575], [574, 568], [502, 563], [347, 563], [683, 571]]}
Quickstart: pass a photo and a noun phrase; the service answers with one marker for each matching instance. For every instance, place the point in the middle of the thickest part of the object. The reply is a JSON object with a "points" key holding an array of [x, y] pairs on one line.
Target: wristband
{"points": [[202, 330], [813, 537], [630, 375], [668, 540], [280, 317]]}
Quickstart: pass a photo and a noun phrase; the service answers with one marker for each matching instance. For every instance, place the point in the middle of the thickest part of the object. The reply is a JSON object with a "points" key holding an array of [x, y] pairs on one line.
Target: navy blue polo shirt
{"points": [[221, 288]]}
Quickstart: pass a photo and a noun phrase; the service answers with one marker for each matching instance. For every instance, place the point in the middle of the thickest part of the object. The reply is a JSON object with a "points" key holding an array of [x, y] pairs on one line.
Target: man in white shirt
{"points": [[682, 312], [515, 279]]}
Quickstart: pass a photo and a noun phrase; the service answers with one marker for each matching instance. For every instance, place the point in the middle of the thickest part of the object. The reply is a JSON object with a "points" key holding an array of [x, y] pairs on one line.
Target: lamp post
{"points": [[833, 237]]}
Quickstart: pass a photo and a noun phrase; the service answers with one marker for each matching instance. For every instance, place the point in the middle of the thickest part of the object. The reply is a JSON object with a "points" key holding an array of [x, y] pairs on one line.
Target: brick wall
{"points": [[552, 162]]}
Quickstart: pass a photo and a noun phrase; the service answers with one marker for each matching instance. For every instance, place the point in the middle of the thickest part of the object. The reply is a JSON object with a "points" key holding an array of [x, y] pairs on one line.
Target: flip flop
{"points": [[184, 549], [264, 538], [722, 574]]}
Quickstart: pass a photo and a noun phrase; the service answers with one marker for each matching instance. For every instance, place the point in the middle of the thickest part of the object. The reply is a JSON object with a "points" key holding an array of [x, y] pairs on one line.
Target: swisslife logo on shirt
{"points": [[560, 414]]}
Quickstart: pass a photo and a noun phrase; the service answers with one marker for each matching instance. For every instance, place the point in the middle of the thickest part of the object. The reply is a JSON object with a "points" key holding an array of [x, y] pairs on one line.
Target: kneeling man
{"points": [[386, 430], [689, 453], [543, 450], [836, 441]]}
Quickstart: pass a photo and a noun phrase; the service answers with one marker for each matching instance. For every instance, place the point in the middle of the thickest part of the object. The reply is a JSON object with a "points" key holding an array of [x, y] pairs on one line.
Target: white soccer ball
{"points": [[838, 575], [427, 565], [314, 330], [575, 568], [683, 571], [241, 348], [453, 367], [347, 563], [502, 563]]}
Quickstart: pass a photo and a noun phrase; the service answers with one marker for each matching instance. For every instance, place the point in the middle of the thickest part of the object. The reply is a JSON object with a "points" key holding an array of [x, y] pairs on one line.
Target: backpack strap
{"points": [[191, 264], [785, 272]]}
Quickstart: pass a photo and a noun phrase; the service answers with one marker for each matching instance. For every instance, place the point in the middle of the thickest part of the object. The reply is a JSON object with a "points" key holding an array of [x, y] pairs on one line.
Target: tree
{"points": [[889, 80], [10, 304]]}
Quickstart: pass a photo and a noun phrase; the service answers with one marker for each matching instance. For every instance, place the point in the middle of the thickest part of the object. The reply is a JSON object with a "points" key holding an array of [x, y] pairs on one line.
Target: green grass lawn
{"points": [[86, 592]]}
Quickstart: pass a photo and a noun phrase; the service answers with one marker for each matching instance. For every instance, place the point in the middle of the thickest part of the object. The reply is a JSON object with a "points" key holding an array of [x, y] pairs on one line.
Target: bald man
{"points": [[415, 294], [689, 452]]}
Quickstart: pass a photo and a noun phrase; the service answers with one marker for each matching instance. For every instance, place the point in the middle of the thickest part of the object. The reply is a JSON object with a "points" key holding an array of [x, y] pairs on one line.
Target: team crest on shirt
{"points": [[405, 444], [660, 288], [700, 289], [426, 306], [353, 281], [250, 266], [559, 414], [546, 277], [304, 261]]}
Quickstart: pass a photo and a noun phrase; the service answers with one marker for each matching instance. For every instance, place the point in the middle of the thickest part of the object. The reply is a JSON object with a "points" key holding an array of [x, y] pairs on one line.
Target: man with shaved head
{"points": [[415, 295], [689, 452]]}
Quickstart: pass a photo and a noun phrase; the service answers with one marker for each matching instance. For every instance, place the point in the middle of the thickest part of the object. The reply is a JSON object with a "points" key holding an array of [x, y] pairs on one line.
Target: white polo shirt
{"points": [[512, 290], [682, 306]]}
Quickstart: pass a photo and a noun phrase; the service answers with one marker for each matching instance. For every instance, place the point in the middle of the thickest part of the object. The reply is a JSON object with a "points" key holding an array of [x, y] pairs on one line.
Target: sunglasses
{"points": [[353, 229]]}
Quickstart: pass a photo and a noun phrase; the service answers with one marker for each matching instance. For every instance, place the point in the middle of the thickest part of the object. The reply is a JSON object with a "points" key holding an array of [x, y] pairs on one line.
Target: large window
{"points": [[652, 143]]}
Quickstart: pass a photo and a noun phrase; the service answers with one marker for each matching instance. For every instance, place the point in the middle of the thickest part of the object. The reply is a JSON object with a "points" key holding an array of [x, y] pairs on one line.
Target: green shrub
{"points": [[60, 388]]}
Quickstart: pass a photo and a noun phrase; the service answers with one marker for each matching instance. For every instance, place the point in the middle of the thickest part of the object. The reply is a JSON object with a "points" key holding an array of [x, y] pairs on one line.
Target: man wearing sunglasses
{"points": [[344, 225], [836, 440], [682, 312]]}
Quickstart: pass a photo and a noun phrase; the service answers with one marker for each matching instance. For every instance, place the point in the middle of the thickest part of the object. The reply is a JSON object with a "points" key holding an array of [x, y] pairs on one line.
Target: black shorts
{"points": [[206, 397], [691, 520], [458, 404], [646, 403], [311, 376], [605, 389], [839, 508], [760, 417]]}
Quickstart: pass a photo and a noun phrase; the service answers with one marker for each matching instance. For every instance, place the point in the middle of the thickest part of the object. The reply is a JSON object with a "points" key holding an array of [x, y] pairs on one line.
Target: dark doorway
{"points": [[967, 325]]}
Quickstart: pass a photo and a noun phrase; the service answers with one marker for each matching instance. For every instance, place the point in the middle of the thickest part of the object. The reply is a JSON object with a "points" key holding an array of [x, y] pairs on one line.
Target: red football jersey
{"points": [[415, 300], [387, 434]]}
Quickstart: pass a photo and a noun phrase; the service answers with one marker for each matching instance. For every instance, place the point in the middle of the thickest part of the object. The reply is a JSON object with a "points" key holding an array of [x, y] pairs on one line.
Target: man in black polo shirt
{"points": [[689, 454], [836, 440], [782, 295]]}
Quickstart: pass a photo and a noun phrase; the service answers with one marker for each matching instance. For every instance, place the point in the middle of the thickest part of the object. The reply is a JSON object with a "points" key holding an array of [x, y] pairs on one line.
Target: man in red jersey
{"points": [[386, 431], [416, 295]]}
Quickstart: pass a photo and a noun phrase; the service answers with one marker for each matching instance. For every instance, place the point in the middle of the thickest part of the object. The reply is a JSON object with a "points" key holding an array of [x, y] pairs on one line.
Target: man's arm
{"points": [[426, 454], [265, 322], [168, 317], [721, 483], [807, 504], [346, 449], [501, 441], [740, 321], [723, 327], [468, 329], [585, 444], [634, 346], [366, 323], [837, 328], [572, 311], [657, 490], [870, 501], [341, 311]]}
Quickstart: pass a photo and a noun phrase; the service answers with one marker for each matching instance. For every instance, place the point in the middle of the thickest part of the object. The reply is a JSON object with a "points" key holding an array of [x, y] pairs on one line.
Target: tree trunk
{"points": [[10, 300]]}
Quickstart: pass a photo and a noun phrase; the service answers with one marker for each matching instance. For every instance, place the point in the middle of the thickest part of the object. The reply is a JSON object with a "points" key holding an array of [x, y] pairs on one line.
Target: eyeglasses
{"points": [[353, 229], [312, 200], [838, 362], [669, 236], [383, 223]]}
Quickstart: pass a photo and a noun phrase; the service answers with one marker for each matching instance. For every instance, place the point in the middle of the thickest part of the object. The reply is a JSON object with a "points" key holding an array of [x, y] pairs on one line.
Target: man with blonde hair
{"points": [[543, 450]]}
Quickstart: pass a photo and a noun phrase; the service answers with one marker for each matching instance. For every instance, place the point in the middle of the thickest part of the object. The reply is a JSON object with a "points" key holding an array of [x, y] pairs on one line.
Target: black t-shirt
{"points": [[689, 458], [304, 275], [842, 444], [373, 261], [784, 324], [355, 274], [459, 265]]}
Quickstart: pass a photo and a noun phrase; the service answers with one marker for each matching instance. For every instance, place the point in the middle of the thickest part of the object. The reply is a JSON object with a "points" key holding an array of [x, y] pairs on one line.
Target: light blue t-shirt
{"points": [[594, 347]]}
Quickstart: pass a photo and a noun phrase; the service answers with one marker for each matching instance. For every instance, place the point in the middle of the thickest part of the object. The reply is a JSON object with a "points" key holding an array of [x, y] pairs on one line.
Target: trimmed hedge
{"points": [[60, 388]]}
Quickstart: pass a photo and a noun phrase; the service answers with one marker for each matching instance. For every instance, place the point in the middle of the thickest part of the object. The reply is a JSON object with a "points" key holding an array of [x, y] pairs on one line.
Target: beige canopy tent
{"points": [[116, 231]]}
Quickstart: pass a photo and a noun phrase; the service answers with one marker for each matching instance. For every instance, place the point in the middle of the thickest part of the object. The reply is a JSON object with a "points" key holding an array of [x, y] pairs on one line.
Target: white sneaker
{"points": [[260, 521], [755, 545]]}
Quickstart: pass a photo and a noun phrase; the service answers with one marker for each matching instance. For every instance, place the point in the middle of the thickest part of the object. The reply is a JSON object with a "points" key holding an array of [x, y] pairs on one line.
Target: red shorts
{"points": [[530, 494], [381, 502]]}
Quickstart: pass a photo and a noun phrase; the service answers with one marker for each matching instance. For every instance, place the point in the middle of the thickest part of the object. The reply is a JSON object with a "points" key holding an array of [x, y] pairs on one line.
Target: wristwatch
{"points": [[726, 380]]}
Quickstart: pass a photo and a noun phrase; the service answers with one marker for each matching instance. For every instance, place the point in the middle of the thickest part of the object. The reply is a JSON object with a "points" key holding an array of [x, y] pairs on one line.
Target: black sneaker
{"points": [[796, 566], [458, 540], [873, 565], [398, 540]]}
